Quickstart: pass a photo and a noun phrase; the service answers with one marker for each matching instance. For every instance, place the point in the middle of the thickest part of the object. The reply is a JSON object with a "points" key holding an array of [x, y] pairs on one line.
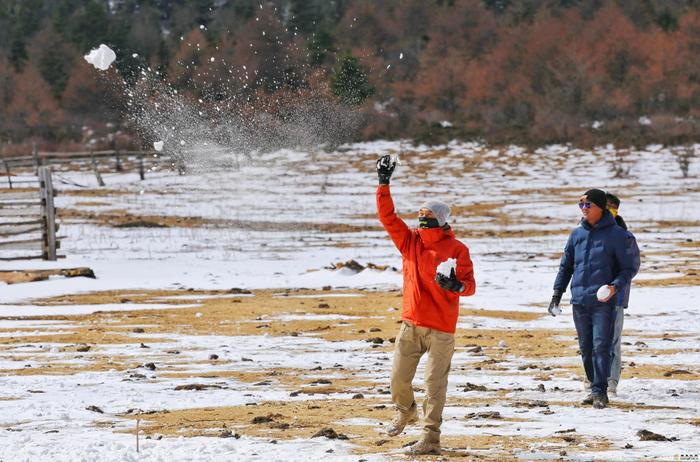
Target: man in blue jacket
{"points": [[598, 253]]}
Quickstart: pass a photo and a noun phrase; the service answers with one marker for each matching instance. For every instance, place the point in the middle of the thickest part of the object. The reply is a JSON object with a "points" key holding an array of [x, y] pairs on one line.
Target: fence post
{"points": [[94, 168], [141, 171], [118, 167], [7, 169], [37, 160], [48, 212]]}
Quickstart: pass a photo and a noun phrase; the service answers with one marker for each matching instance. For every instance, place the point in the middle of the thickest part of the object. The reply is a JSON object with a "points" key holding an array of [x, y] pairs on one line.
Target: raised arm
{"points": [[395, 226]]}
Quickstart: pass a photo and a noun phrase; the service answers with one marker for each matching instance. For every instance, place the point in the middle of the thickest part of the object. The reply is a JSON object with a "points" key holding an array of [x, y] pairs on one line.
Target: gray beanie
{"points": [[440, 209]]}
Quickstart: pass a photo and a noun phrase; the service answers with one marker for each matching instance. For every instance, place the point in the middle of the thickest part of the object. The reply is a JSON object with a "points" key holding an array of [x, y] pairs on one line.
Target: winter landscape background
{"points": [[246, 298]]}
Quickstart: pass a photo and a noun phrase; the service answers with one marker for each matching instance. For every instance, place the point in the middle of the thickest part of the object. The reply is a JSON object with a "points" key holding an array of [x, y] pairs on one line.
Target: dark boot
{"points": [[600, 401], [588, 399]]}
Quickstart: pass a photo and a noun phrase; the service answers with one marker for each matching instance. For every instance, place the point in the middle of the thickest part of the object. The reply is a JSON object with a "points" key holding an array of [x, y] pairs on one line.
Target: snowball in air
{"points": [[158, 145], [101, 57], [182, 142], [446, 267], [603, 293]]}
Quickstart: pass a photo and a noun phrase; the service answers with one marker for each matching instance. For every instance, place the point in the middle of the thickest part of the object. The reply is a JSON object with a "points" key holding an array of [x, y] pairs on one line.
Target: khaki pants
{"points": [[411, 343]]}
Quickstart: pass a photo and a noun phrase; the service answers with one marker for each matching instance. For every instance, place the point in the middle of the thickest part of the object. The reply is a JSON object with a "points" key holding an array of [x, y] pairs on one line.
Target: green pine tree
{"points": [[350, 82]]}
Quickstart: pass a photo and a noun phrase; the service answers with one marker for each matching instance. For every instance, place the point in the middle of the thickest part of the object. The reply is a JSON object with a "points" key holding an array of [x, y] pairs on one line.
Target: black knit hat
{"points": [[597, 197]]}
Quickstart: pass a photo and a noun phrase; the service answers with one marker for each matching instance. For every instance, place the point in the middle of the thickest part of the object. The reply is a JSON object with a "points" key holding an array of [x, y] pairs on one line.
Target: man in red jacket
{"points": [[430, 308]]}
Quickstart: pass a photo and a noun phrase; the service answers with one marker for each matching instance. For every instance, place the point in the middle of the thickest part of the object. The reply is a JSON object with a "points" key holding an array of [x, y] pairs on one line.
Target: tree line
{"points": [[505, 71]]}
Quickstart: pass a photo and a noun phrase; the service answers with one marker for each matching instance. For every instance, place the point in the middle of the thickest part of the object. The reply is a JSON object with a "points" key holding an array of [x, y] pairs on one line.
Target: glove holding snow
{"points": [[554, 304], [385, 168], [449, 283]]}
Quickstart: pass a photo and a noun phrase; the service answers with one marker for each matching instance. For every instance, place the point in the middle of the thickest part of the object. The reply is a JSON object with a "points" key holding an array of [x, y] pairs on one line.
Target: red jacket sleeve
{"points": [[465, 272], [395, 226]]}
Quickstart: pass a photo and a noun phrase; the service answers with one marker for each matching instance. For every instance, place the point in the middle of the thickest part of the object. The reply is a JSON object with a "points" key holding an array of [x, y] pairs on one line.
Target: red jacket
{"points": [[425, 303]]}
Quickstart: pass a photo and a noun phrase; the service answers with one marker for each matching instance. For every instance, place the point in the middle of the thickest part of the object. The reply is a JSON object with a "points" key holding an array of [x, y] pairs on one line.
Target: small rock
{"points": [[541, 388], [628, 446], [330, 434], [196, 387], [326, 288], [484, 415], [381, 442], [229, 434], [502, 344], [474, 387], [83, 348], [262, 419], [476, 349], [324, 305], [138, 330], [361, 331], [646, 435], [150, 366], [321, 382], [280, 425], [375, 329], [213, 357], [95, 409], [358, 396], [143, 346], [294, 334], [376, 340], [246, 360]]}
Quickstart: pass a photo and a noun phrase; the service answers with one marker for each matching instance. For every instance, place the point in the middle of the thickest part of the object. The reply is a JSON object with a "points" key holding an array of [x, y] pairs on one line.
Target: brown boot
{"points": [[423, 447], [401, 420]]}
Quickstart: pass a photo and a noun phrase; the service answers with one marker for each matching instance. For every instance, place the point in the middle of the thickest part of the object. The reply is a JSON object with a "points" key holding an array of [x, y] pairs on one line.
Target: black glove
{"points": [[554, 304], [449, 283], [385, 167]]}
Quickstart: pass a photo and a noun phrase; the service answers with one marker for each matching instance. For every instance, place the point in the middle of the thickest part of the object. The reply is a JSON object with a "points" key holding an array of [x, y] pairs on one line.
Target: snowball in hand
{"points": [[447, 266], [101, 57], [603, 293], [158, 145]]}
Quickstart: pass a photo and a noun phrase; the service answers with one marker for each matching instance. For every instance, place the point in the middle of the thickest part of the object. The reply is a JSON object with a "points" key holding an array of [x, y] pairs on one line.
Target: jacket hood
{"points": [[606, 220]]}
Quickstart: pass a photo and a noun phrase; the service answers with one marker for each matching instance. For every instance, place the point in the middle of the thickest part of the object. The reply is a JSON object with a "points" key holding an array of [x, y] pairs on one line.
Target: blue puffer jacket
{"points": [[604, 254]]}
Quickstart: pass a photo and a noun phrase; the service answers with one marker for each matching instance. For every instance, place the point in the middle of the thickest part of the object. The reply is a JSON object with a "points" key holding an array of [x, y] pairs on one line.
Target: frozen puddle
{"points": [[56, 310], [313, 317]]}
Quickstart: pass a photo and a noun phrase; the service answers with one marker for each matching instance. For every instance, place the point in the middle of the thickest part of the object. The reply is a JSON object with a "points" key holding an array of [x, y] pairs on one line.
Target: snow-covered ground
{"points": [[277, 222]]}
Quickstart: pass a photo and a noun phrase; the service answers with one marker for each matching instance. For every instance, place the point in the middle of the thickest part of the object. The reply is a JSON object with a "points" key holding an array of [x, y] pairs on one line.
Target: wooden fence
{"points": [[98, 161], [28, 220]]}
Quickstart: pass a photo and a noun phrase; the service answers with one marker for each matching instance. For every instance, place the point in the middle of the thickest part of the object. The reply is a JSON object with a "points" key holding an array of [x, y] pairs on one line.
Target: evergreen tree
{"points": [[350, 83]]}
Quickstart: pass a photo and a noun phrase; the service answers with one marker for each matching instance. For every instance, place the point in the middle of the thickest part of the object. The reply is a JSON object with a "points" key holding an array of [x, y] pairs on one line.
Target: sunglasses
{"points": [[587, 205]]}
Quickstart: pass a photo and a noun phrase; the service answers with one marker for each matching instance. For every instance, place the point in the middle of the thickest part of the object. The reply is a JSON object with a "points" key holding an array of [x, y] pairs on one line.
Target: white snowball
{"points": [[158, 145], [447, 266], [101, 57], [603, 293]]}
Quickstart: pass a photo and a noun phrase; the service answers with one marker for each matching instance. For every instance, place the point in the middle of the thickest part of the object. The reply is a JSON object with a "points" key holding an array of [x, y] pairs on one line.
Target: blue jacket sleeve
{"points": [[566, 266], [628, 259]]}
